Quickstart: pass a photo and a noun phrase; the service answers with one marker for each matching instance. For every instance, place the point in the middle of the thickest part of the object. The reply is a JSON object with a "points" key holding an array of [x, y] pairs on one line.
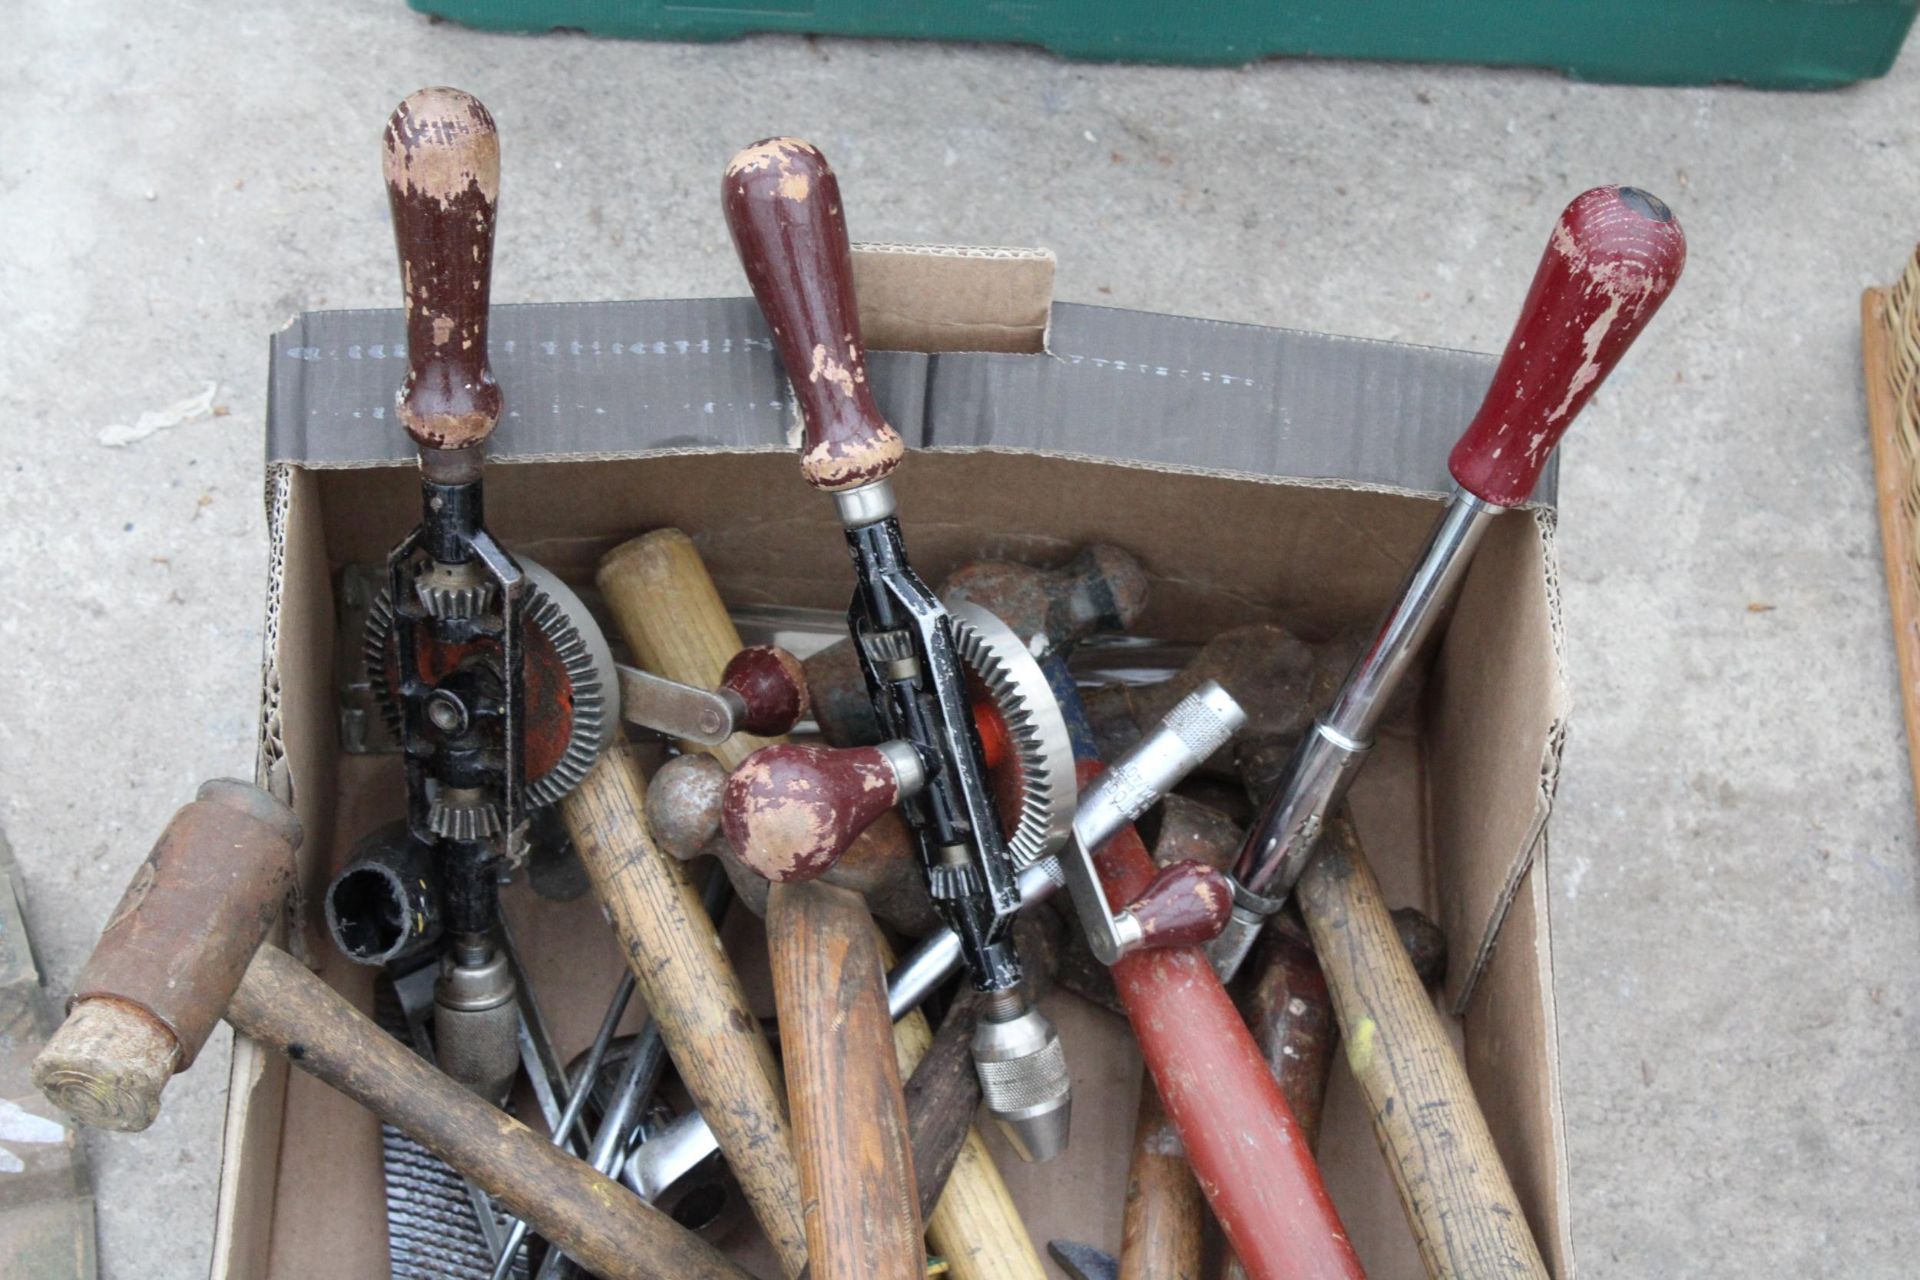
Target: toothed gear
{"points": [[888, 646], [455, 591], [569, 673], [1037, 732], [463, 817], [950, 881]]}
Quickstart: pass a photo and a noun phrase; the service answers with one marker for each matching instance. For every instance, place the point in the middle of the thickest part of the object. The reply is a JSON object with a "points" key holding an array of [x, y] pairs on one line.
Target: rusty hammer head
{"points": [[171, 956]]}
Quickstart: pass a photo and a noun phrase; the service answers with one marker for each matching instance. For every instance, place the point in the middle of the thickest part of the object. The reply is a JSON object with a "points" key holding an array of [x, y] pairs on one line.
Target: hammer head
{"points": [[171, 956]]}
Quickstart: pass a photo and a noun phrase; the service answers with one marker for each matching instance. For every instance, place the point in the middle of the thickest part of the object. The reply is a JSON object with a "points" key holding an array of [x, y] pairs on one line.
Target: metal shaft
{"points": [[1281, 841], [576, 1101]]}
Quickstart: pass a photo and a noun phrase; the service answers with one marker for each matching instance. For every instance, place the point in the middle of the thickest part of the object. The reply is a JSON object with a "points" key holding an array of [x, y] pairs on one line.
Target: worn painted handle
{"points": [[771, 686], [783, 206], [791, 811], [1186, 905], [443, 182], [1615, 255]]}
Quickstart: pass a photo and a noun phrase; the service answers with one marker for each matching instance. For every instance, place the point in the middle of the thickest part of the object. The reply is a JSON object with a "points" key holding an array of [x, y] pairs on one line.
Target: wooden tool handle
{"points": [[596, 1220], [790, 811], [671, 616], [443, 182], [972, 1222], [1162, 1231], [1465, 1215], [1185, 905], [692, 992], [843, 1087], [1103, 588], [771, 686], [1242, 1141], [1615, 255], [783, 206]]}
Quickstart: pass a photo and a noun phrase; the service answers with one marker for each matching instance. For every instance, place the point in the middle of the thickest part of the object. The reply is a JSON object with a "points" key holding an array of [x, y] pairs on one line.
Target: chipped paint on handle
{"points": [[1614, 256], [442, 167], [790, 811], [782, 204]]}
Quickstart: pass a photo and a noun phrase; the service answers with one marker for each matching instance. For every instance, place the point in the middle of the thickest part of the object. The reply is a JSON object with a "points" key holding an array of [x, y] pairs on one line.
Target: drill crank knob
{"points": [[790, 811], [443, 183], [1615, 255], [771, 686], [782, 205], [1186, 905]]}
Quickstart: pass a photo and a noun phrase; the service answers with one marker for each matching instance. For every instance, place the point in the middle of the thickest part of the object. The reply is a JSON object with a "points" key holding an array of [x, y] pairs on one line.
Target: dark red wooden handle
{"points": [[1615, 255], [443, 182], [783, 206], [772, 685], [1186, 905], [790, 811]]}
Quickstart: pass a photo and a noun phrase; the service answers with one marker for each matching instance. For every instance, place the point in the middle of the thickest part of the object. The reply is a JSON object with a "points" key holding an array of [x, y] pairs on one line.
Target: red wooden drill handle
{"points": [[771, 686], [782, 204], [1615, 255], [1185, 905], [1248, 1153], [443, 182], [790, 811]]}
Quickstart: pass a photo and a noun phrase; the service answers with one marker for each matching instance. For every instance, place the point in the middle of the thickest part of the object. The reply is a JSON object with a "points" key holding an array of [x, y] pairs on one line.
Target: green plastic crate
{"points": [[1783, 44]]}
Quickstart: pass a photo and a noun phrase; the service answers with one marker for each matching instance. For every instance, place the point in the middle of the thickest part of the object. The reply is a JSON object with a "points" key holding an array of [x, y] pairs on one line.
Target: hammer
{"points": [[184, 949]]}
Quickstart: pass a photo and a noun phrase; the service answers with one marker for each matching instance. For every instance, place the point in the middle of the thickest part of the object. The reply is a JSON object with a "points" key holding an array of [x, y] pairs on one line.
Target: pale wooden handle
{"points": [[1161, 1232], [692, 992], [975, 1226], [1459, 1200], [671, 616], [596, 1220], [843, 1087], [107, 1065]]}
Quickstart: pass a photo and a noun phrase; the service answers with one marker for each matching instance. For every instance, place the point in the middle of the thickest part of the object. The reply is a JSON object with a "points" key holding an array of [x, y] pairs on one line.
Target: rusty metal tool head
{"points": [[1612, 259], [1083, 1261], [171, 956], [185, 948]]}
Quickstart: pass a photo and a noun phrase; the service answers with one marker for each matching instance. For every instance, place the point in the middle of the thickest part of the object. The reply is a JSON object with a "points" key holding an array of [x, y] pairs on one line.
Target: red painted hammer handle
{"points": [[783, 206], [443, 182], [1615, 255]]}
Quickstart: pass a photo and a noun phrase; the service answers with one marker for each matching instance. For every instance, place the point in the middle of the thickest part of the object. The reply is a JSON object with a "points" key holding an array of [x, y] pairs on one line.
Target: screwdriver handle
{"points": [[772, 688], [443, 183], [790, 811], [1615, 255], [782, 204]]}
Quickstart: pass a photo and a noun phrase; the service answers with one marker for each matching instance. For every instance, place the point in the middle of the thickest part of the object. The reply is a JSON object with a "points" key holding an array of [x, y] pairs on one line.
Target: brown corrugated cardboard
{"points": [[1298, 495]]}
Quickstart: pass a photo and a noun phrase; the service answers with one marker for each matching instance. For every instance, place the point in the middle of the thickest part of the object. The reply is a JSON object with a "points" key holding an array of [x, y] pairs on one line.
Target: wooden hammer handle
{"points": [[596, 1220], [843, 1087], [692, 992], [443, 183], [782, 203], [1465, 1215], [1162, 1232]]}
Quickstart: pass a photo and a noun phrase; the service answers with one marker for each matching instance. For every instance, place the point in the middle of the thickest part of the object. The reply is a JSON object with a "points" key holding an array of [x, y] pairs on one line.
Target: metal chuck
{"points": [[1023, 1075], [476, 1018]]}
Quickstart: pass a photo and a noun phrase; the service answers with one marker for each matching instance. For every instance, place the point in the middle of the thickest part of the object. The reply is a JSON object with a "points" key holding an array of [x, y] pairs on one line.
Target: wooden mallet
{"points": [[184, 950]]}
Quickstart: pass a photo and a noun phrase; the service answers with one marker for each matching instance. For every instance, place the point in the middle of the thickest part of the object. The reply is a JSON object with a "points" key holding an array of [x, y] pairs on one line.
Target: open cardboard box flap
{"points": [[1260, 475]]}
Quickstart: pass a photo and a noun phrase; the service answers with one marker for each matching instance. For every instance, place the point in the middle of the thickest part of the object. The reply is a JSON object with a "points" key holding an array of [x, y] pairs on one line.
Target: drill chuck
{"points": [[476, 1019], [1023, 1075]]}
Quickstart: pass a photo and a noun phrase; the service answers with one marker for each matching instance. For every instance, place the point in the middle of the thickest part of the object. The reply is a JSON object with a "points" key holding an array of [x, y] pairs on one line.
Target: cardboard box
{"points": [[1261, 475]]}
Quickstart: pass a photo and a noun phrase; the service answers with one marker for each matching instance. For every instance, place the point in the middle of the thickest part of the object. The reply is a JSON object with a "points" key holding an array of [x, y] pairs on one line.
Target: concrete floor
{"points": [[1733, 863]]}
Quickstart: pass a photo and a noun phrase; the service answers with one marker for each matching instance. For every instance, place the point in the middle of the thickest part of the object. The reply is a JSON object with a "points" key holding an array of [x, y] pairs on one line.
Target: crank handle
{"points": [[763, 691], [442, 170], [1614, 256], [783, 207], [790, 811]]}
